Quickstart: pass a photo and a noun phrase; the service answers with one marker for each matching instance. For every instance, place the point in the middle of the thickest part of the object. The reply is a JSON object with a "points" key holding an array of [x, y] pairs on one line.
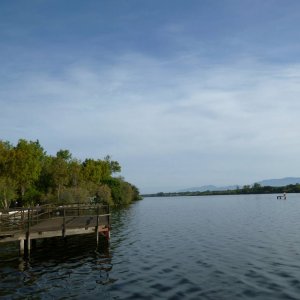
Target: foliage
{"points": [[59, 171], [74, 194], [7, 191], [246, 189], [113, 165], [29, 176], [122, 192], [96, 170], [26, 164], [103, 194], [32, 196]]}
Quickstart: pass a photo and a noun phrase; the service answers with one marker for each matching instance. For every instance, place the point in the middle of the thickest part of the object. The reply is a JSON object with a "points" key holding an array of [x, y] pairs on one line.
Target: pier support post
{"points": [[64, 223], [107, 234], [97, 227], [22, 245], [27, 246], [27, 241]]}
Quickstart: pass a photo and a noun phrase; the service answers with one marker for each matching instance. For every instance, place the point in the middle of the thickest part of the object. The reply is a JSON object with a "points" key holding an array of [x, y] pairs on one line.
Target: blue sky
{"points": [[181, 93]]}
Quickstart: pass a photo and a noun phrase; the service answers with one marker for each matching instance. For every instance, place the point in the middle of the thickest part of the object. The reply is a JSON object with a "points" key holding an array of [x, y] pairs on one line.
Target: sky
{"points": [[180, 93]]}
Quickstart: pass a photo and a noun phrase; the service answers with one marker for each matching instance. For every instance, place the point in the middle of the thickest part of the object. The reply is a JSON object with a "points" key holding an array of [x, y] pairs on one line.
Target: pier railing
{"points": [[22, 219], [29, 224]]}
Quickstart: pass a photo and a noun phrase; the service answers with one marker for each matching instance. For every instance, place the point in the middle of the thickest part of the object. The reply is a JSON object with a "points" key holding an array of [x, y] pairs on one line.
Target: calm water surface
{"points": [[215, 247]]}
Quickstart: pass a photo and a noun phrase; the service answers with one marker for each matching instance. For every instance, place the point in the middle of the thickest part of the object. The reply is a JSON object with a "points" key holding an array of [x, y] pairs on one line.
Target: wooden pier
{"points": [[29, 224]]}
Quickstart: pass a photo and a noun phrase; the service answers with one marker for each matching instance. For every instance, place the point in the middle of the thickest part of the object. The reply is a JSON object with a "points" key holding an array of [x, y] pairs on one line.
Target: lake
{"points": [[209, 247]]}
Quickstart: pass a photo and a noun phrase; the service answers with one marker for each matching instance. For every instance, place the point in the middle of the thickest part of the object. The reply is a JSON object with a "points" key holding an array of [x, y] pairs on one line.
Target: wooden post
{"points": [[108, 211], [108, 225], [97, 226], [28, 246], [64, 222], [37, 213], [27, 242], [22, 242]]}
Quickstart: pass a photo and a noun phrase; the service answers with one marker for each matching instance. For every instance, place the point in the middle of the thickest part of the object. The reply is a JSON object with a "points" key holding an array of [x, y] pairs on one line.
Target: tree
{"points": [[74, 194], [75, 173], [59, 170], [7, 192], [27, 164], [122, 192], [64, 155], [114, 166], [45, 181], [126, 192], [95, 170], [136, 193], [28, 174], [256, 188], [103, 194], [246, 189], [7, 183]]}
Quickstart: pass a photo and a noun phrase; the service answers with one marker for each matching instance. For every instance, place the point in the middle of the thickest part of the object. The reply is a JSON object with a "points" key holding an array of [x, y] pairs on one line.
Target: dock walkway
{"points": [[27, 224]]}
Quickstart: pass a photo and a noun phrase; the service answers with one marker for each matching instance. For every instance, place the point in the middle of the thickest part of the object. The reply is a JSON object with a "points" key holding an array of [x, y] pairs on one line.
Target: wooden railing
{"points": [[22, 219]]}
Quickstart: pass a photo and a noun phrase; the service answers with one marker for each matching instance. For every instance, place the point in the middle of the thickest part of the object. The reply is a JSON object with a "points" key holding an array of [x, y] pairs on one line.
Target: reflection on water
{"points": [[56, 268], [225, 247]]}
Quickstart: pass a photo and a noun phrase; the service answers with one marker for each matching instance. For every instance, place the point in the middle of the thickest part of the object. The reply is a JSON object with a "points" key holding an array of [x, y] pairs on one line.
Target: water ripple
{"points": [[229, 247]]}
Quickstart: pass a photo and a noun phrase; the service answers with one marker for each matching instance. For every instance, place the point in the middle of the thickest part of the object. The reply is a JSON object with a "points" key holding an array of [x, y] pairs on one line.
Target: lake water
{"points": [[214, 247]]}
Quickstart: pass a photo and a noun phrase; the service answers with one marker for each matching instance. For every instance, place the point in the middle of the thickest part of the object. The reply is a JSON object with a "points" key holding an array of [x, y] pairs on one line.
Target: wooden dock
{"points": [[29, 224]]}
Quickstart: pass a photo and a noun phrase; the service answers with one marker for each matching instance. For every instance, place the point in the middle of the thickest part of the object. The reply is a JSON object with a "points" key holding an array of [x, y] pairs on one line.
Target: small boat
{"points": [[282, 196]]}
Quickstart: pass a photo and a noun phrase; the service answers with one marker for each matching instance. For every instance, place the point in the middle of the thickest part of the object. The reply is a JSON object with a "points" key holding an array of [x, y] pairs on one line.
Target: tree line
{"points": [[256, 188], [28, 176]]}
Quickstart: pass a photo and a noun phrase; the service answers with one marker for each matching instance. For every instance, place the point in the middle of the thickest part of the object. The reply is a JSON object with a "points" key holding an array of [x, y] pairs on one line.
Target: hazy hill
{"points": [[205, 188], [280, 182], [267, 182]]}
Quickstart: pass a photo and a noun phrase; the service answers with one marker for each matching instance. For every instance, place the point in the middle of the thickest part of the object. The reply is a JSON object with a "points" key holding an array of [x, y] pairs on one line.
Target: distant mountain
{"points": [[205, 188], [280, 182], [267, 182]]}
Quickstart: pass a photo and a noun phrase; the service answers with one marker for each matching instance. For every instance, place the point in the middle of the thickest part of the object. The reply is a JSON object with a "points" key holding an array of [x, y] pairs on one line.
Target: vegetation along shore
{"points": [[28, 176], [256, 188]]}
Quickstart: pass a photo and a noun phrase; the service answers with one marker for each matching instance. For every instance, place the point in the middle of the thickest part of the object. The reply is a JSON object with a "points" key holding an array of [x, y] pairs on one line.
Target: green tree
{"points": [[103, 194], [126, 193], [7, 183], [246, 189], [122, 192], [8, 192], [32, 196], [27, 164], [74, 194], [114, 166], [256, 188], [29, 175], [95, 170], [75, 173], [64, 155], [136, 193], [45, 182], [59, 171]]}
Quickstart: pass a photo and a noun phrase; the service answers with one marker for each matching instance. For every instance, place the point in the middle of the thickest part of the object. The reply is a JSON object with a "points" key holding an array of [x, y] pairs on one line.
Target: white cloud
{"points": [[216, 119]]}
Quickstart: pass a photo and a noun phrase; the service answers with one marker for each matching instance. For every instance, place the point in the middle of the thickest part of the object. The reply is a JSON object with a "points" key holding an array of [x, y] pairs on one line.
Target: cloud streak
{"points": [[211, 119]]}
